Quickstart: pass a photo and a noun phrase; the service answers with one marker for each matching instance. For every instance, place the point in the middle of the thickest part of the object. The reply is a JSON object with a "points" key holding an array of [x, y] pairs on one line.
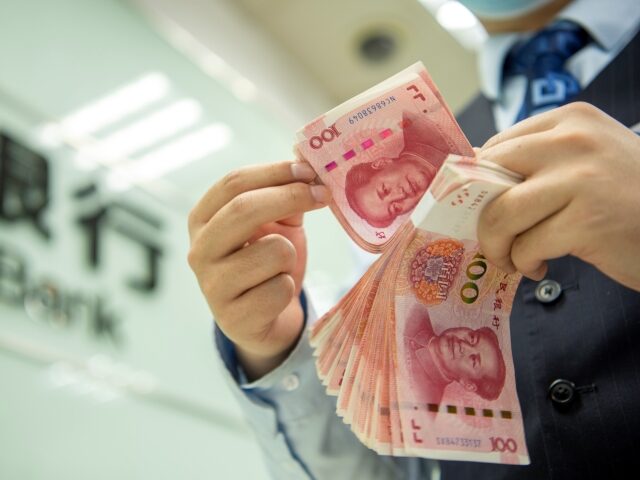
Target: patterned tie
{"points": [[541, 60]]}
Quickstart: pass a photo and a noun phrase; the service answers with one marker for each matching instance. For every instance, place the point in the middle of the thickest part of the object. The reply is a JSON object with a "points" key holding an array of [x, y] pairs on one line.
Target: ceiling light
{"points": [[111, 108], [210, 63], [48, 136], [159, 162], [243, 89], [146, 132]]}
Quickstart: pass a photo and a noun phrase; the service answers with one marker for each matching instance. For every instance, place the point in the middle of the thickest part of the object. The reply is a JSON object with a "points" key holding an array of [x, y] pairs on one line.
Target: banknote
{"points": [[418, 352], [379, 151], [457, 394]]}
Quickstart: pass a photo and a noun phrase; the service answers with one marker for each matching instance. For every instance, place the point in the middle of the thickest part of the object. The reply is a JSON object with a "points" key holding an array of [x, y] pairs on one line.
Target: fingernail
{"points": [[320, 193], [302, 171]]}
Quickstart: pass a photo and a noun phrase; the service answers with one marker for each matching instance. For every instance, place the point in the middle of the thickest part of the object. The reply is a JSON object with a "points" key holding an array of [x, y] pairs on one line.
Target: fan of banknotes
{"points": [[418, 352]]}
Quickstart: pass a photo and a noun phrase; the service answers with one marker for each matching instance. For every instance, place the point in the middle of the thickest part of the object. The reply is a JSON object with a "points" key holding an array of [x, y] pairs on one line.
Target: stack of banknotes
{"points": [[418, 352]]}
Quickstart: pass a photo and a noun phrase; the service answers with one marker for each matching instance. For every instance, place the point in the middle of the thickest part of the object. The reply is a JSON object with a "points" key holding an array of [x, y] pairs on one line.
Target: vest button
{"points": [[562, 392], [548, 291]]}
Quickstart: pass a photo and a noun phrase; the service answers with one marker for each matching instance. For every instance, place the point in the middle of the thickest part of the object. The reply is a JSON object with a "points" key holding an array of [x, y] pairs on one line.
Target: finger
{"points": [[536, 124], [517, 210], [293, 221], [272, 296], [255, 264], [525, 155], [239, 219], [244, 180], [548, 240]]}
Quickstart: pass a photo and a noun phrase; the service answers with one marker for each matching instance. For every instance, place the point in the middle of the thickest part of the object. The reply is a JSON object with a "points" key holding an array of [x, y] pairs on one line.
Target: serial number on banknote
{"points": [[459, 441], [371, 109]]}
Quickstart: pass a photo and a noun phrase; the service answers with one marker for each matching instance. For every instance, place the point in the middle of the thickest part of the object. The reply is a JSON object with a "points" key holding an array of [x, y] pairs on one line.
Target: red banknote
{"points": [[418, 352], [399, 131]]}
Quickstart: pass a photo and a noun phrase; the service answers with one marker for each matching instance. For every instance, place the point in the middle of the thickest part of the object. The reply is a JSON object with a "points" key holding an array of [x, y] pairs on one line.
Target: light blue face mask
{"points": [[499, 9]]}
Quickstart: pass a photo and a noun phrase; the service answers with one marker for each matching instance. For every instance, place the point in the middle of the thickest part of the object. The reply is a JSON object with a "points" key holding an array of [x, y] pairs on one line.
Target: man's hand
{"points": [[248, 251], [581, 195]]}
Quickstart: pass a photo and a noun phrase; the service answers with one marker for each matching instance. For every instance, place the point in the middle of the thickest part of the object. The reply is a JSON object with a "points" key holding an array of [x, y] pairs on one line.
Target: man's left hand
{"points": [[580, 197]]}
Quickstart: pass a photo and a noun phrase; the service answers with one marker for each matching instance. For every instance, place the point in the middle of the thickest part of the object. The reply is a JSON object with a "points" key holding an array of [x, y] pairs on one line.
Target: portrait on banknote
{"points": [[470, 357], [381, 190]]}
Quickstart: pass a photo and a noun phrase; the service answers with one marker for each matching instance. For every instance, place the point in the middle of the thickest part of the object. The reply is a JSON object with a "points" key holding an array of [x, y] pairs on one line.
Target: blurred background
{"points": [[115, 117]]}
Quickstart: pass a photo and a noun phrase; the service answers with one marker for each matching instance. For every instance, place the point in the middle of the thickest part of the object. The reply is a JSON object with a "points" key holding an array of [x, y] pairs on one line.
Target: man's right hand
{"points": [[248, 252]]}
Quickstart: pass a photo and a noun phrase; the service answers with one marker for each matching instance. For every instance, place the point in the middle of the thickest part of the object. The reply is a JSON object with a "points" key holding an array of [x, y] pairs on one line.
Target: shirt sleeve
{"points": [[296, 425]]}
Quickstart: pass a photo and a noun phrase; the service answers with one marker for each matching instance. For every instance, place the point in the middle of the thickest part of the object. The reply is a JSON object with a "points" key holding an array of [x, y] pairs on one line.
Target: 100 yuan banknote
{"points": [[456, 390], [379, 152]]}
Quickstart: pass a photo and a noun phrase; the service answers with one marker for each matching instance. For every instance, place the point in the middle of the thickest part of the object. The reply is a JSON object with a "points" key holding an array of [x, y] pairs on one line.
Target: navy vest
{"points": [[588, 427]]}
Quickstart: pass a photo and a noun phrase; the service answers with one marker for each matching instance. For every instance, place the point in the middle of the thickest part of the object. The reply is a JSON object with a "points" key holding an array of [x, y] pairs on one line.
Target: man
{"points": [[469, 357], [574, 221], [386, 188]]}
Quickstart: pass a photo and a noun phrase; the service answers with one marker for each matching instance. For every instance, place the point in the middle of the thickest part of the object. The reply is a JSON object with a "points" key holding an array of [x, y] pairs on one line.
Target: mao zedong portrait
{"points": [[472, 358], [383, 189]]}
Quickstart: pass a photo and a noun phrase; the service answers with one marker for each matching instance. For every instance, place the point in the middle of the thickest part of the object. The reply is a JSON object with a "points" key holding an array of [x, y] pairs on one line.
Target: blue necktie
{"points": [[541, 60]]}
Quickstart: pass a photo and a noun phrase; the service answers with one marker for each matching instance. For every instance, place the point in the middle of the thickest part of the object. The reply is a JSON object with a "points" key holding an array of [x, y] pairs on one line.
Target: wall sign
{"points": [[25, 197]]}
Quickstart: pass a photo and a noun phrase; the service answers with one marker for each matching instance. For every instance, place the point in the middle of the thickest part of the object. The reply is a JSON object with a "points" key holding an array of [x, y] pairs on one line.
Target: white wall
{"points": [[69, 407]]}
